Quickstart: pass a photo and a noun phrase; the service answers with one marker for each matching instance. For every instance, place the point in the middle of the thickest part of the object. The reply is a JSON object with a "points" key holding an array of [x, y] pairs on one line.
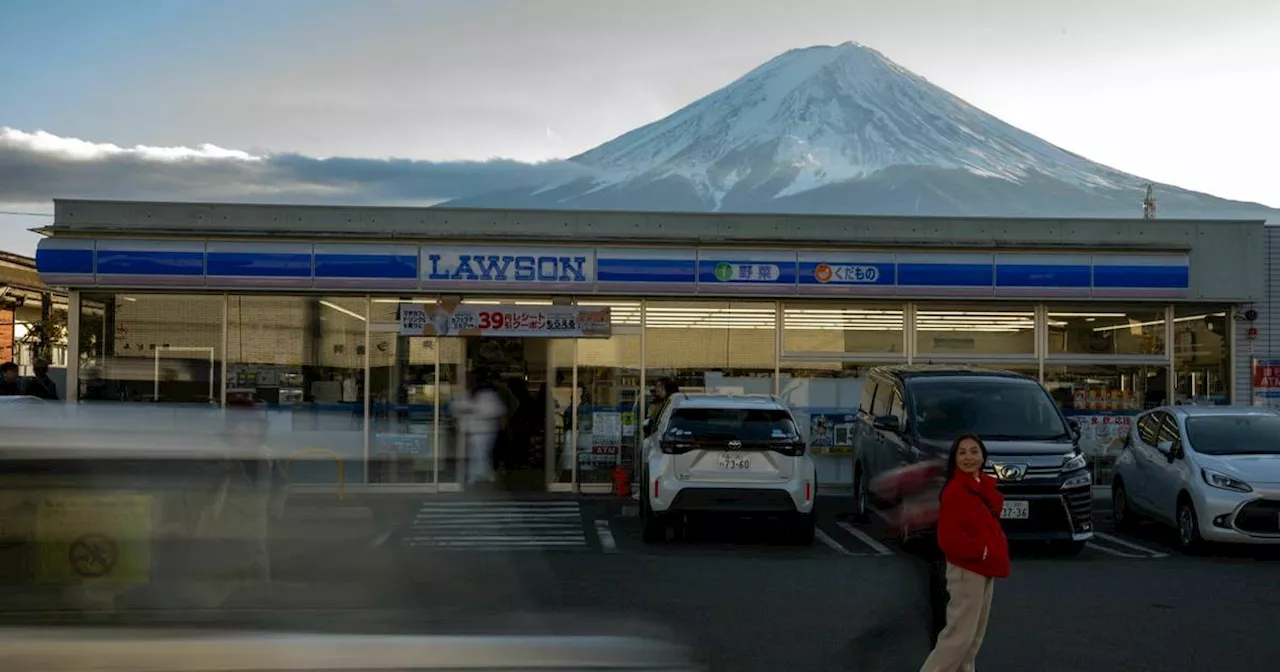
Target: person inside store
{"points": [[10, 383], [41, 385], [976, 553], [481, 412], [663, 389]]}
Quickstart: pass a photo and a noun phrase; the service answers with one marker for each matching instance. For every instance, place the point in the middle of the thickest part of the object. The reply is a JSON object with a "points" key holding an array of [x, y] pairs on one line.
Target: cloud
{"points": [[37, 167]]}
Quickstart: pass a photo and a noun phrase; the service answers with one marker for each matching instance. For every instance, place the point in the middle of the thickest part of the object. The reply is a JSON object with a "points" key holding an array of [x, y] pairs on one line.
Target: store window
{"points": [[711, 346], [151, 347], [841, 328], [1202, 355], [303, 357], [982, 330], [824, 396], [1103, 400], [412, 437], [1100, 329], [609, 380]]}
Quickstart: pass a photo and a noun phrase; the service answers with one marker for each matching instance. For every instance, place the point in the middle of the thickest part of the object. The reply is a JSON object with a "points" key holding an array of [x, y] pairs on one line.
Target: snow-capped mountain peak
{"points": [[823, 115]]}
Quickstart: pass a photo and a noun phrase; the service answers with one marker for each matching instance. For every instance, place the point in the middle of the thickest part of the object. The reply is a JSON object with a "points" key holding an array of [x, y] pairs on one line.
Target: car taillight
{"points": [[789, 449], [676, 447]]}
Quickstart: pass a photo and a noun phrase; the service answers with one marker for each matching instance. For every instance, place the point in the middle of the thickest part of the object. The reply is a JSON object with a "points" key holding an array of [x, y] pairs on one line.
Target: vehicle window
{"points": [[1168, 428], [733, 423], [1243, 434], [868, 393], [993, 408], [1149, 428], [895, 407], [884, 398]]}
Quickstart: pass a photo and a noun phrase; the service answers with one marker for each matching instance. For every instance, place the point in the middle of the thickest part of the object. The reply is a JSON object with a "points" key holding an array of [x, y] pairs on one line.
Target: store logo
{"points": [[823, 273], [506, 268], [724, 271]]}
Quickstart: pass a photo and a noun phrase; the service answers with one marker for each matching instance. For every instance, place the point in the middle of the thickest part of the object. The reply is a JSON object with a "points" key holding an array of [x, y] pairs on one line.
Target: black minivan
{"points": [[911, 413]]}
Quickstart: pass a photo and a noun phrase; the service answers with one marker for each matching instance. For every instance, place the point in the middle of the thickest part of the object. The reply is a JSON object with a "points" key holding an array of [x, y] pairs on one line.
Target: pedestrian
{"points": [[481, 411], [976, 553], [10, 383], [41, 385]]}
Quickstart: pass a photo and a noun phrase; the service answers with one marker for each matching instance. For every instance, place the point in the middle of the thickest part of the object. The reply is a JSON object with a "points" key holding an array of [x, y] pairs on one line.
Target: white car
{"points": [[726, 454], [1213, 472]]}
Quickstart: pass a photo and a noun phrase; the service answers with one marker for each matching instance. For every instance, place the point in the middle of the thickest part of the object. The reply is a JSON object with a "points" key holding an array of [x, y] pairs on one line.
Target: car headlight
{"points": [[1074, 462], [1078, 481], [1223, 481]]}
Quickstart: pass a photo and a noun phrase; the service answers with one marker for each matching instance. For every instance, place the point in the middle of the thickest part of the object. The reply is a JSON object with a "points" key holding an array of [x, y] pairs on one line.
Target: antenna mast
{"points": [[1149, 203]]}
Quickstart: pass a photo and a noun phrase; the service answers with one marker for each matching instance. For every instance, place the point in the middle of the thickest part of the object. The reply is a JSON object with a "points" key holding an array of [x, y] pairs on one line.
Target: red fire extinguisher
{"points": [[621, 482]]}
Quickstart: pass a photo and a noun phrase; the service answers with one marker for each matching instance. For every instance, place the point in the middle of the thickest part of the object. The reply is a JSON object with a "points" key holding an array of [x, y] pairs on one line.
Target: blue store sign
{"points": [[133, 263]]}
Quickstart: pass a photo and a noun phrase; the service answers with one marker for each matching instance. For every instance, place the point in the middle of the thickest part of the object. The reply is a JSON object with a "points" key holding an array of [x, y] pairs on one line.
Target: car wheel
{"points": [[1189, 539], [861, 497], [1121, 511]]}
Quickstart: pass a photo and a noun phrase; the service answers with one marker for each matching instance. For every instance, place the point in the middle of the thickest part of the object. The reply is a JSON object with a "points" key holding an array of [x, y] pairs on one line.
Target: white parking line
{"points": [[1104, 549], [606, 537], [865, 538], [826, 539], [1117, 540]]}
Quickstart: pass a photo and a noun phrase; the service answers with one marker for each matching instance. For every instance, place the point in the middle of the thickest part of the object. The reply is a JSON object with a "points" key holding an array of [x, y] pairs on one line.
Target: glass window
{"points": [[754, 425], [1168, 429], [711, 346], [834, 327], [883, 398], [824, 398], [1235, 434], [994, 408], [304, 358], [409, 376], [609, 375], [1202, 355], [977, 329], [1100, 329], [1104, 399], [145, 347], [1149, 428]]}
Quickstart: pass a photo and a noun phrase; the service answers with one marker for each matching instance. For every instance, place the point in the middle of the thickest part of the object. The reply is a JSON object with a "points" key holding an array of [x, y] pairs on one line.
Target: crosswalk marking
{"points": [[497, 526]]}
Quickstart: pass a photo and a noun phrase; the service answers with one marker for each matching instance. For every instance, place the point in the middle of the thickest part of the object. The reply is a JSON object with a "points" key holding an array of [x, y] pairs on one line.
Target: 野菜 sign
{"points": [[456, 319]]}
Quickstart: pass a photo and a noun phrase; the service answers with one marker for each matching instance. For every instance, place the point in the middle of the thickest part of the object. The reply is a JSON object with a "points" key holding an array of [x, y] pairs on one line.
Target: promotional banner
{"points": [[457, 319], [1266, 382]]}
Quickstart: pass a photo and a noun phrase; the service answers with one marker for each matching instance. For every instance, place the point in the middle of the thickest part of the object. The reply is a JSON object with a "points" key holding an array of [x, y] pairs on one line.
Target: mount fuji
{"points": [[845, 130]]}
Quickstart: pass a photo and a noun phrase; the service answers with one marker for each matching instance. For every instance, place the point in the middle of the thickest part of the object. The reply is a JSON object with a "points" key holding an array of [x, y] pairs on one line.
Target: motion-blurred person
{"points": [[481, 412], [10, 383], [239, 497], [41, 385], [976, 552], [914, 491]]}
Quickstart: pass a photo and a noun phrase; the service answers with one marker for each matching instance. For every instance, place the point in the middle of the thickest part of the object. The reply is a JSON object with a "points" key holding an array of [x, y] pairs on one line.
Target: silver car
{"points": [[1213, 472]]}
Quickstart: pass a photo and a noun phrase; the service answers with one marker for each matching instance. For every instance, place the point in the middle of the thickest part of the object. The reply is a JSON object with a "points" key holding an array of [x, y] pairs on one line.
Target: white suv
{"points": [[727, 454]]}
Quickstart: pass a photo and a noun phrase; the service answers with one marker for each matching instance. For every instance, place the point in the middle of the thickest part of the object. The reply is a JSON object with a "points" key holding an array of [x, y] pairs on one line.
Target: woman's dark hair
{"points": [[955, 448]]}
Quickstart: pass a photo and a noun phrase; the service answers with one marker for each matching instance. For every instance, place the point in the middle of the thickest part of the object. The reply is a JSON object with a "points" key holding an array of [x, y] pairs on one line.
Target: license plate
{"points": [[734, 463], [1016, 510]]}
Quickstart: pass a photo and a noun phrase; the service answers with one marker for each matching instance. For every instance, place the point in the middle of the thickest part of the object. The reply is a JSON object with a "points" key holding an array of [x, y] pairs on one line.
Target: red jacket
{"points": [[969, 526]]}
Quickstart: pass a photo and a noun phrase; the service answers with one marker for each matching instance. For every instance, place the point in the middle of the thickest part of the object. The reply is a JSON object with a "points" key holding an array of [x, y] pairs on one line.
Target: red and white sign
{"points": [[456, 319]]}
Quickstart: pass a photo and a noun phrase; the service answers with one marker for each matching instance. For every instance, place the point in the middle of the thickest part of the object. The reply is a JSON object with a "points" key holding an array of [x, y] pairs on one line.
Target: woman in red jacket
{"points": [[976, 552]]}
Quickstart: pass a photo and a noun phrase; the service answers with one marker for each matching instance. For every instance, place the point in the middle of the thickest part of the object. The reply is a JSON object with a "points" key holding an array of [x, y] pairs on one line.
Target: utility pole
{"points": [[1149, 203]]}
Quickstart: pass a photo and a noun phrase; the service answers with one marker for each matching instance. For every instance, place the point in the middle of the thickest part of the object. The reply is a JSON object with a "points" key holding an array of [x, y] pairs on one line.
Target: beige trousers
{"points": [[967, 613]]}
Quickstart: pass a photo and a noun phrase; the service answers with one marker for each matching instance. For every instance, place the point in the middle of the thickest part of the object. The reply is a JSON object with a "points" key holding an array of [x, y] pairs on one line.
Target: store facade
{"points": [[356, 327]]}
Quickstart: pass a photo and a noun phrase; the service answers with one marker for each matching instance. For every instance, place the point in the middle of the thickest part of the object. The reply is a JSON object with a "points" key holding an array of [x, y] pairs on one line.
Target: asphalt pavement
{"points": [[741, 598]]}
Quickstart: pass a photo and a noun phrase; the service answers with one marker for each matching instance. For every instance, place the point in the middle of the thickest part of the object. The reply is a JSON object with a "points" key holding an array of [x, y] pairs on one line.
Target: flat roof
{"points": [[243, 220]]}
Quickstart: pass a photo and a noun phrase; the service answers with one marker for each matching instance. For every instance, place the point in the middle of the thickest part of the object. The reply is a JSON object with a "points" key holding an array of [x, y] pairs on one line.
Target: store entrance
{"points": [[526, 375]]}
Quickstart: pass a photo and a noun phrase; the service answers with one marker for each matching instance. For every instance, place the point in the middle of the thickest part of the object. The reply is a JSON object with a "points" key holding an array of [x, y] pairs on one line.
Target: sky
{"points": [[1178, 91]]}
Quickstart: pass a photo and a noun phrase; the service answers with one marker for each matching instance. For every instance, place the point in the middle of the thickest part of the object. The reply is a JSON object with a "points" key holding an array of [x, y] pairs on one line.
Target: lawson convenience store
{"points": [[356, 326]]}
